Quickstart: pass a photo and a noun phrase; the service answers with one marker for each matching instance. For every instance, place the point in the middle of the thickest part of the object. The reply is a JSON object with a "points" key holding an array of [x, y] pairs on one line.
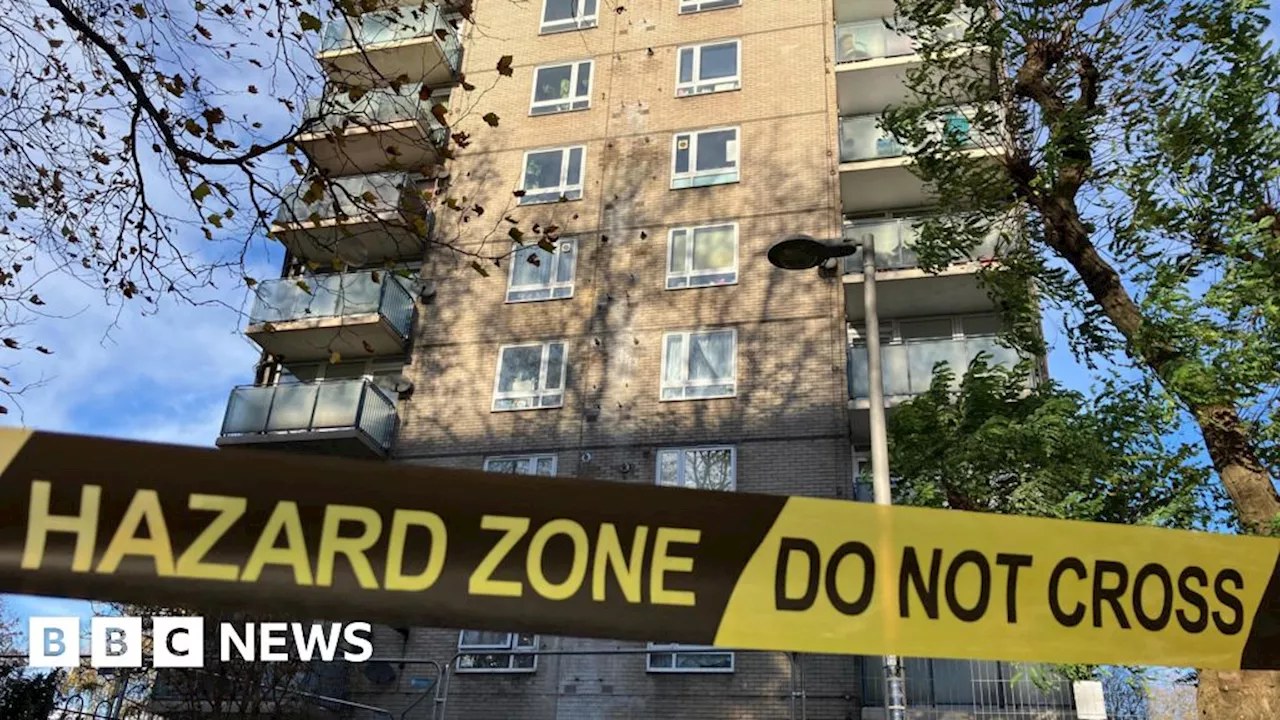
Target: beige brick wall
{"points": [[788, 420]]}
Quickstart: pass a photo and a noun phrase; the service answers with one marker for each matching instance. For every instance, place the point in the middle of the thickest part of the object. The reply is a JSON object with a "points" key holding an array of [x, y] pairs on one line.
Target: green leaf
{"points": [[491, 119], [201, 192], [475, 265], [504, 66], [24, 201]]}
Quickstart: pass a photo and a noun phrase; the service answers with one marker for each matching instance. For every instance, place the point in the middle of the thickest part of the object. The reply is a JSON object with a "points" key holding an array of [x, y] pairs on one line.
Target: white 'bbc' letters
{"points": [[53, 642]]}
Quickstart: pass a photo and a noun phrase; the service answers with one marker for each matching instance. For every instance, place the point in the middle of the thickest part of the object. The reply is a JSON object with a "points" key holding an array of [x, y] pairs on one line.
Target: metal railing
{"points": [[863, 138], [312, 407], [895, 239], [975, 688], [392, 25], [353, 195], [908, 365], [336, 295], [377, 106]]}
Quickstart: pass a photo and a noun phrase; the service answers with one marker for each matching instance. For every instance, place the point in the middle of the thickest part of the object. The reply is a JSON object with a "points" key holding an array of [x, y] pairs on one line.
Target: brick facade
{"points": [[788, 420]]}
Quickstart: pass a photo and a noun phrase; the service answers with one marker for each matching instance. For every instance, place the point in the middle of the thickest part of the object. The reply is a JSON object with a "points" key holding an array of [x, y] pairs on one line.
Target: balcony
{"points": [[358, 219], [364, 314], [874, 166], [381, 129], [872, 61], [375, 48], [352, 418], [903, 290]]}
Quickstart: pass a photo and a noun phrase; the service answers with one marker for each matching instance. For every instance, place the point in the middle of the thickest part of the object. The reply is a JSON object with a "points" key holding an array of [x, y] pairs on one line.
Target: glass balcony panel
{"points": [[313, 406], [908, 367], [345, 197], [870, 40], [383, 26], [862, 138], [335, 295], [377, 106]]}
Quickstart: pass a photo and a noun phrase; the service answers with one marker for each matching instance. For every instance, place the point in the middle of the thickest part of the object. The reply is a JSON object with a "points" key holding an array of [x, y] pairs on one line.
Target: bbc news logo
{"points": [[179, 642]]}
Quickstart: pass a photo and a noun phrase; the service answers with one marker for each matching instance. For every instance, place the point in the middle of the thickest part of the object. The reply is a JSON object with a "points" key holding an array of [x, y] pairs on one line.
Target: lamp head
{"points": [[801, 252]]}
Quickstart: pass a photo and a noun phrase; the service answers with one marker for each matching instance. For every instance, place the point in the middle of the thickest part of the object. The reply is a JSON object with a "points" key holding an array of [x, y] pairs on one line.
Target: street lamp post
{"points": [[803, 252]]}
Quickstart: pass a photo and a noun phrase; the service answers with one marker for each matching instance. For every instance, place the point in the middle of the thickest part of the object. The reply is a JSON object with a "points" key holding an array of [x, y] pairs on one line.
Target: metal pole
{"points": [[895, 696]]}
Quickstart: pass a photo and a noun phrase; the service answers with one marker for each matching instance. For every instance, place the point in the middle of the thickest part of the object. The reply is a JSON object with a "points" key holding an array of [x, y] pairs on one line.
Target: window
{"points": [[697, 468], [561, 88], [537, 274], [673, 657], [530, 376], [702, 256], [693, 6], [708, 68], [706, 157], [497, 652], [698, 365], [552, 175], [561, 15], [544, 465]]}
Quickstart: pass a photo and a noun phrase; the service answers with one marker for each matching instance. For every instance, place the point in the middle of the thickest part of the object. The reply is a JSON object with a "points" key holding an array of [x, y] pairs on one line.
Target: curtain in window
{"points": [[710, 357], [520, 369], [524, 272], [713, 248]]}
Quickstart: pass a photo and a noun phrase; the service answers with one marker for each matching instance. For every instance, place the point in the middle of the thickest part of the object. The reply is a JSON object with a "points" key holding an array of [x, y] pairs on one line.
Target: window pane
{"points": [[704, 661], [661, 660], [711, 356], [682, 153], [559, 10], [524, 271], [686, 65], [709, 469], [719, 61], [674, 359], [543, 170], [589, 7], [714, 149], [501, 466], [520, 369], [982, 325], [679, 249], [566, 260], [574, 176], [713, 248], [584, 80], [553, 83], [546, 468], [668, 467], [555, 357], [916, 329], [485, 638]]}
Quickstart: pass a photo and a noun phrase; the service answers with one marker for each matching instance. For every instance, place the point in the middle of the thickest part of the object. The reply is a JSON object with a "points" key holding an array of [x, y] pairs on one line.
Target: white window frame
{"points": [[693, 6], [563, 189], [510, 649], [572, 100], [693, 174], [696, 83], [677, 649], [551, 287], [542, 377], [690, 275], [579, 21], [532, 459], [685, 385], [680, 464]]}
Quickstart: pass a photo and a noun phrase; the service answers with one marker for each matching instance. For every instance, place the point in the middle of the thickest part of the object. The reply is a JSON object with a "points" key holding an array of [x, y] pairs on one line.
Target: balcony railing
{"points": [[396, 24], [302, 408], [872, 40], [908, 366], [377, 106], [337, 295], [350, 196], [862, 137], [895, 239]]}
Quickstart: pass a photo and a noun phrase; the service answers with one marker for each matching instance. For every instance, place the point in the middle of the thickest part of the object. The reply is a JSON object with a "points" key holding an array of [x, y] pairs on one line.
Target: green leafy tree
{"points": [[1128, 154], [984, 442]]}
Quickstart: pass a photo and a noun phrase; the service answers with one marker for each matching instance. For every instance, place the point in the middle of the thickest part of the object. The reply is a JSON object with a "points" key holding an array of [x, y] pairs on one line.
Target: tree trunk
{"points": [[1238, 695]]}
